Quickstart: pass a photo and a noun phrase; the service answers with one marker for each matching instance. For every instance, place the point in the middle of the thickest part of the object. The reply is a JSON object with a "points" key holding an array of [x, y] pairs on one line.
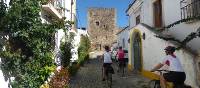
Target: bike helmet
{"points": [[170, 48]]}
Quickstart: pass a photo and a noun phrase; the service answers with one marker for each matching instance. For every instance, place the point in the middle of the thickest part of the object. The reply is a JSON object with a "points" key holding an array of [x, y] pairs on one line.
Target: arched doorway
{"points": [[137, 61]]}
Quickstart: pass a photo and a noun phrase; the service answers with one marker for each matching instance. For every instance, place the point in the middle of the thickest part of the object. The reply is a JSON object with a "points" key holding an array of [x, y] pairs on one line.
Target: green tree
{"points": [[83, 50], [28, 44], [66, 47]]}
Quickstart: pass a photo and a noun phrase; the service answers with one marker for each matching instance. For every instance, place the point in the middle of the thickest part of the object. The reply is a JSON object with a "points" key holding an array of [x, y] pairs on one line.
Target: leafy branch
{"points": [[182, 20], [27, 45], [183, 43], [168, 38], [190, 37], [178, 22]]}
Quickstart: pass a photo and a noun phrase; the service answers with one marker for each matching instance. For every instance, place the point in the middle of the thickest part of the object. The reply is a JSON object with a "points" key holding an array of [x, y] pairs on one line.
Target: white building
{"points": [[76, 42], [54, 9], [82, 31], [60, 9], [70, 14], [146, 17], [123, 37]]}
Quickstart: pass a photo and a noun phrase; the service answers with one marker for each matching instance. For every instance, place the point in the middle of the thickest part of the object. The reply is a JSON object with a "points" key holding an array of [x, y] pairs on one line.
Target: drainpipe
{"points": [[71, 14], [71, 10]]}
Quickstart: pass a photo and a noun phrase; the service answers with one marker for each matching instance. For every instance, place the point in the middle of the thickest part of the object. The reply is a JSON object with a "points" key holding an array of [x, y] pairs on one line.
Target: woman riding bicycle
{"points": [[107, 61], [176, 73]]}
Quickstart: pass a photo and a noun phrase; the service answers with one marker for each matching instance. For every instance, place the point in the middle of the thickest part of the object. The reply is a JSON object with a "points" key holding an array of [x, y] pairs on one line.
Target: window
{"points": [[128, 40], [97, 23], [138, 19], [104, 26]]}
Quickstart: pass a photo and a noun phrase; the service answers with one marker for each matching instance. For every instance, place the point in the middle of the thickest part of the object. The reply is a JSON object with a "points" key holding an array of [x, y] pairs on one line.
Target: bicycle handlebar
{"points": [[161, 71]]}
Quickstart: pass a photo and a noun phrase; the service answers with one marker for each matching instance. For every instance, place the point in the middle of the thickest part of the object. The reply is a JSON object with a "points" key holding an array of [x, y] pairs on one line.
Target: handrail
{"points": [[190, 9]]}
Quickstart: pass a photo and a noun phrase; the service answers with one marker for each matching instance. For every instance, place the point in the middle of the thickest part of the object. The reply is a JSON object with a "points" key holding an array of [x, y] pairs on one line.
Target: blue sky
{"points": [[120, 5]]}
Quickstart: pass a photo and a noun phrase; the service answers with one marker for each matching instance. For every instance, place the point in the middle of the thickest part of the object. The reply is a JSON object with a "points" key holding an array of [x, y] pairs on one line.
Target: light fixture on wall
{"points": [[128, 40], [143, 36]]}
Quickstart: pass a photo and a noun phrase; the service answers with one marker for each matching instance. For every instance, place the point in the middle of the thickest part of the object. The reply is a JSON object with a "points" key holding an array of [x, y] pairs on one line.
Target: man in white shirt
{"points": [[107, 61], [176, 73]]}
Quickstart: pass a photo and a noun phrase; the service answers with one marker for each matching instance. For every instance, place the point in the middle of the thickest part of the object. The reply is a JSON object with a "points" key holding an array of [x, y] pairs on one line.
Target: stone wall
{"points": [[102, 27]]}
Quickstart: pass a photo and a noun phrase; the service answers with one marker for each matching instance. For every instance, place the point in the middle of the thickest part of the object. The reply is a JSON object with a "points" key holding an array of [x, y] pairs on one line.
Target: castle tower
{"points": [[101, 27]]}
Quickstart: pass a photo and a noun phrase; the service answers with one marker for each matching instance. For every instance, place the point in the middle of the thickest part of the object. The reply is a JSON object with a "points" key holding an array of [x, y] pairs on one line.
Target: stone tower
{"points": [[102, 27]]}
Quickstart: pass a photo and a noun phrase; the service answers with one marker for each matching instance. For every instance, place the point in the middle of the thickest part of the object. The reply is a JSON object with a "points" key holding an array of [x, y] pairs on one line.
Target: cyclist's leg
{"points": [[117, 66], [120, 66], [123, 67], [162, 82], [103, 71]]}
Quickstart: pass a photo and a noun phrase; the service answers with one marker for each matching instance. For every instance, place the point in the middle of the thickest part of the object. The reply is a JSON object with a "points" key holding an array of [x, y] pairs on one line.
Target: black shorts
{"points": [[175, 77], [122, 63], [108, 67], [106, 64]]}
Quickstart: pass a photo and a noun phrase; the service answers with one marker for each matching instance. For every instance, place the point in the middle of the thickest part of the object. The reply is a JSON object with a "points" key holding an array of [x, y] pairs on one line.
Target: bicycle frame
{"points": [[156, 83], [169, 85]]}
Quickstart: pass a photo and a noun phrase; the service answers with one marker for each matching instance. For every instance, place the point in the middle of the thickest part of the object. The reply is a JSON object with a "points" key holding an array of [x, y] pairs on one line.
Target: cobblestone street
{"points": [[89, 76]]}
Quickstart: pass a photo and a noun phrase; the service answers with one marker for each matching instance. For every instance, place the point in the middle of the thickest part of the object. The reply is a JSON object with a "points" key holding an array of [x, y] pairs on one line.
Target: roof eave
{"points": [[130, 5]]}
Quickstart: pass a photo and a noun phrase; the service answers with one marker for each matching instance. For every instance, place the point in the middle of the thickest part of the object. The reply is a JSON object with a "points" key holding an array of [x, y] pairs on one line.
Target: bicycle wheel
{"points": [[109, 80], [154, 84]]}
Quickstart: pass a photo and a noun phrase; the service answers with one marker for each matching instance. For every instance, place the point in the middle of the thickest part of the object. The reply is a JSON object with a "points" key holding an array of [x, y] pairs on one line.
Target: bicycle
{"points": [[156, 83]]}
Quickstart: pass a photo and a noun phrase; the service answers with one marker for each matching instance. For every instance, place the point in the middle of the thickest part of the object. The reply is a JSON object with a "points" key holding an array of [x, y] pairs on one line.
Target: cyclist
{"points": [[121, 59], [176, 73], [107, 61]]}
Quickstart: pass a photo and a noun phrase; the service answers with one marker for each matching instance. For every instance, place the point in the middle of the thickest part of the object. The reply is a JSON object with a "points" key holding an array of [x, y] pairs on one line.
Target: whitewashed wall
{"points": [[123, 35], [171, 13], [153, 53], [68, 9], [198, 68], [76, 43]]}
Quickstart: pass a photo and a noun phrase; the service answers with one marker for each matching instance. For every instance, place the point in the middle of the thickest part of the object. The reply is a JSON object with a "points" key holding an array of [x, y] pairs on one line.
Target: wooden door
{"points": [[137, 53], [157, 7]]}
